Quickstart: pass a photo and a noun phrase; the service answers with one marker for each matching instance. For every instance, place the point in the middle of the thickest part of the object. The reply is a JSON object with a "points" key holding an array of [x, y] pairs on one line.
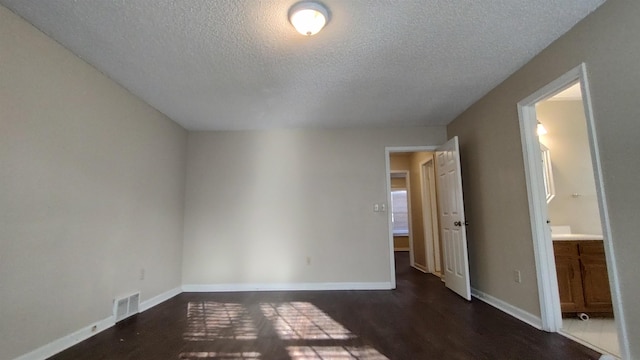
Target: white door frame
{"points": [[551, 315], [387, 151]]}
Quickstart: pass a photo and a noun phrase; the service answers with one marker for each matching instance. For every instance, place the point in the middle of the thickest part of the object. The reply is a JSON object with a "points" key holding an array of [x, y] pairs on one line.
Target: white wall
{"points": [[259, 203], [91, 191], [568, 144]]}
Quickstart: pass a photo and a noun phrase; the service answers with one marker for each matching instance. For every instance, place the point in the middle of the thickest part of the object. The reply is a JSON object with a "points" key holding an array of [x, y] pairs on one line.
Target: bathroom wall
{"points": [[576, 202]]}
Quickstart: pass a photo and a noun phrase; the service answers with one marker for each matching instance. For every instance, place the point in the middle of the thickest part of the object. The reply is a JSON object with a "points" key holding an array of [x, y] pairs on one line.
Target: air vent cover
{"points": [[126, 306]]}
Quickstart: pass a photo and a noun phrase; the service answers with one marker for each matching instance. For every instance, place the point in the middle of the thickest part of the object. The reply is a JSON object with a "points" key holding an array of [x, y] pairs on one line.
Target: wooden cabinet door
{"points": [[597, 294], [569, 283]]}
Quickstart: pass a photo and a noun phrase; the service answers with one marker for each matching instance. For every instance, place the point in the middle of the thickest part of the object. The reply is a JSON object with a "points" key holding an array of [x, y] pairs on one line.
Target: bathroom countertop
{"points": [[574, 237]]}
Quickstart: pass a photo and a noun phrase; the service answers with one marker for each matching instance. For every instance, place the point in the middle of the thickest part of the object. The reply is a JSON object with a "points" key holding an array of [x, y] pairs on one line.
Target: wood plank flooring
{"points": [[421, 319]]}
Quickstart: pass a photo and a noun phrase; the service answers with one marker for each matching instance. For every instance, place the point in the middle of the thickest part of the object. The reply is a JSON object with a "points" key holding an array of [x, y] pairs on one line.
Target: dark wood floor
{"points": [[419, 320]]}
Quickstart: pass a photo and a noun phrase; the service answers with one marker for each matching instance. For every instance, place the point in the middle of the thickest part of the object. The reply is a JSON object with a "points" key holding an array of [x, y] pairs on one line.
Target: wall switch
{"points": [[516, 276], [308, 260], [380, 207], [142, 274]]}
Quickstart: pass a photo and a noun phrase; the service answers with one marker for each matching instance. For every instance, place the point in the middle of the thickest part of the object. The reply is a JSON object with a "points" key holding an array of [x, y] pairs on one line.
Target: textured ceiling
{"points": [[239, 64]]}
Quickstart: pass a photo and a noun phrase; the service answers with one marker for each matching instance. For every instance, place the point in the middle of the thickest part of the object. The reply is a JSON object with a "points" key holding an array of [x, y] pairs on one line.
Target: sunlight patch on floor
{"points": [[293, 322], [334, 352], [207, 320], [220, 355], [302, 320]]}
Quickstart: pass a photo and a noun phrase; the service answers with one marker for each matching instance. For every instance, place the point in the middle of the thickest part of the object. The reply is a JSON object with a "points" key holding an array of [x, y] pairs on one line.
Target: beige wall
{"points": [[401, 243], [568, 145], [259, 203], [398, 183], [399, 161], [495, 193], [92, 191]]}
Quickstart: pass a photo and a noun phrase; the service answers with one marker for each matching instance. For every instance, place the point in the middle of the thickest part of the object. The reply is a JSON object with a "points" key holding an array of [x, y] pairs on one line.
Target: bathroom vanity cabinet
{"points": [[582, 277]]}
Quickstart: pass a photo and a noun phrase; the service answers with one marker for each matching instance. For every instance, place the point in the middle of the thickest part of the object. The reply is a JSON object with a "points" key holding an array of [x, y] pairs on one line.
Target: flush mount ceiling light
{"points": [[308, 17]]}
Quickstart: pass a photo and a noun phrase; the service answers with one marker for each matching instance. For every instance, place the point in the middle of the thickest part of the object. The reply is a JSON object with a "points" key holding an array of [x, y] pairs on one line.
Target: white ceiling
{"points": [[239, 64]]}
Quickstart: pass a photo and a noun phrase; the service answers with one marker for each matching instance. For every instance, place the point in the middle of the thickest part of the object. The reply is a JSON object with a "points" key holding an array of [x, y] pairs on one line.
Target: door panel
{"points": [[597, 294], [446, 236], [452, 221], [569, 283]]}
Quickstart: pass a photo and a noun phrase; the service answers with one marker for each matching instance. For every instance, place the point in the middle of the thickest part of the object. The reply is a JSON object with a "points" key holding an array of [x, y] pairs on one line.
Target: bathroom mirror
{"points": [[547, 174]]}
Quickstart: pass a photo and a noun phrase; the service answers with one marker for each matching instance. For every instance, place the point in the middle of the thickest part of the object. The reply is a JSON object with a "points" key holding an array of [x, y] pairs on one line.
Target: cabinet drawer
{"points": [[565, 248], [591, 247]]}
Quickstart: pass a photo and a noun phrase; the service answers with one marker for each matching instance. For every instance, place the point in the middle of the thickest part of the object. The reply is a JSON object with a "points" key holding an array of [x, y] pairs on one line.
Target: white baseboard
{"points": [[148, 304], [86, 332], [514, 311], [286, 287], [68, 341]]}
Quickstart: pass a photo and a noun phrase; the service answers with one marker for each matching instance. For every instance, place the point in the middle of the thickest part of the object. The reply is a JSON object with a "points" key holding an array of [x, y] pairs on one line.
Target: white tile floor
{"points": [[600, 332]]}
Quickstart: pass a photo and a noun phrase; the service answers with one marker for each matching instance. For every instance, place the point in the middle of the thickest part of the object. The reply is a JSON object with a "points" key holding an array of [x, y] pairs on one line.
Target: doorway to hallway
{"points": [[433, 240]]}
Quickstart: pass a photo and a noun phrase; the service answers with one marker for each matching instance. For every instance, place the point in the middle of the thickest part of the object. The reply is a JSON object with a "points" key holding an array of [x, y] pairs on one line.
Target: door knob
{"points": [[457, 223]]}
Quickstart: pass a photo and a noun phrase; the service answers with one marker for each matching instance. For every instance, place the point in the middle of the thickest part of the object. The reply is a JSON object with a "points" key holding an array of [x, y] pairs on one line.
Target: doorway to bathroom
{"points": [[576, 233], [574, 259]]}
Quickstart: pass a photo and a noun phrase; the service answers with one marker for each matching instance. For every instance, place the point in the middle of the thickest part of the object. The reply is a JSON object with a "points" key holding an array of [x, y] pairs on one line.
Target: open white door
{"points": [[452, 222]]}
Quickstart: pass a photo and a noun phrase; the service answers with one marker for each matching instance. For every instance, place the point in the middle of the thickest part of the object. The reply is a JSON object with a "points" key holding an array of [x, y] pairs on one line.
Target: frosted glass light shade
{"points": [[308, 17], [540, 130]]}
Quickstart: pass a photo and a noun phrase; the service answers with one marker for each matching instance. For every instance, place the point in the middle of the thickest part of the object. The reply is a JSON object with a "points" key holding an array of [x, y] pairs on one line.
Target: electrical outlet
{"points": [[517, 277]]}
